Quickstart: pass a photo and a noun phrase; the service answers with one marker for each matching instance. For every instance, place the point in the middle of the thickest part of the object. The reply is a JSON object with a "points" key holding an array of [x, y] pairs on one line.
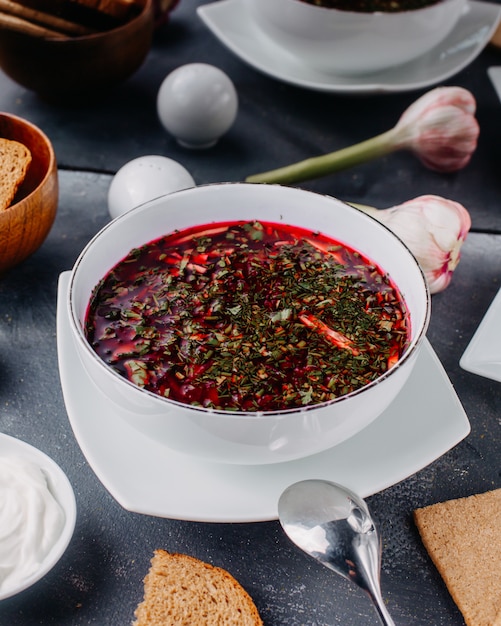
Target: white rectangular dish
{"points": [[483, 354]]}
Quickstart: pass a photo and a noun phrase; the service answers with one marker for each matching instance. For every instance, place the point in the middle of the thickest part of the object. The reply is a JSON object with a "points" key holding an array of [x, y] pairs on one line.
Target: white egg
{"points": [[197, 103], [143, 179]]}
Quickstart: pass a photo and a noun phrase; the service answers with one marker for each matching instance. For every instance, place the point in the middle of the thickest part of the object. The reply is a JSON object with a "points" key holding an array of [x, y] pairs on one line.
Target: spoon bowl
{"points": [[333, 525]]}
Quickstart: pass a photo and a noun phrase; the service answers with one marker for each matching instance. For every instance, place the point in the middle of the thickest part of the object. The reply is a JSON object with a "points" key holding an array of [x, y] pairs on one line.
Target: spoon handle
{"points": [[381, 609]]}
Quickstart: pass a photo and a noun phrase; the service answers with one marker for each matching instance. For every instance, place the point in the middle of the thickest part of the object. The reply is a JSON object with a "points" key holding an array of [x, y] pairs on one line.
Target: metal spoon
{"points": [[333, 525]]}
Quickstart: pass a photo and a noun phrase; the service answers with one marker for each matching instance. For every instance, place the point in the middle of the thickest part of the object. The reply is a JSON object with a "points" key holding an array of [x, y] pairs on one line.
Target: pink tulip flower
{"points": [[439, 128], [434, 229]]}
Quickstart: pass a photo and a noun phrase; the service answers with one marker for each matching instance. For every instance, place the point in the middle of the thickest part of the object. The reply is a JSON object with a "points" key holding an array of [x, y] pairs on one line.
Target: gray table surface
{"points": [[99, 578]]}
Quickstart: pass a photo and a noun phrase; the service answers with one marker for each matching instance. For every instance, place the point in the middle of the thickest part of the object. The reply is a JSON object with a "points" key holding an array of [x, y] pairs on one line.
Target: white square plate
{"points": [[424, 422]]}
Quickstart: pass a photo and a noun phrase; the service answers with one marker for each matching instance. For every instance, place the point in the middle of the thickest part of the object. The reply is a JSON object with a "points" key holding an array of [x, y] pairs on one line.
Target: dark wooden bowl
{"points": [[77, 69], [26, 223]]}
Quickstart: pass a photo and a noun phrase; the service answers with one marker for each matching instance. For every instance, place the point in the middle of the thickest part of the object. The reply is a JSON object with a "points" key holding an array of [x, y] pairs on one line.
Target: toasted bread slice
{"points": [[462, 538], [15, 159], [180, 590]]}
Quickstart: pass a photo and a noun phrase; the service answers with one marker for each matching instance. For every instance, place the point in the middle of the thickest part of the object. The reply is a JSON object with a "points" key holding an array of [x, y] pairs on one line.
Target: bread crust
{"points": [[96, 15], [119, 9], [181, 590], [15, 159], [463, 541]]}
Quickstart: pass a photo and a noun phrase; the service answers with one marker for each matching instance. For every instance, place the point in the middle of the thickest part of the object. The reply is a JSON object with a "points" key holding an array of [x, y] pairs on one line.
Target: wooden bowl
{"points": [[73, 70], [26, 223]]}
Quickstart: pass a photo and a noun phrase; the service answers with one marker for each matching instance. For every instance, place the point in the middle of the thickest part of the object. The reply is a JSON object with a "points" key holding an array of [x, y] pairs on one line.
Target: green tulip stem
{"points": [[329, 163]]}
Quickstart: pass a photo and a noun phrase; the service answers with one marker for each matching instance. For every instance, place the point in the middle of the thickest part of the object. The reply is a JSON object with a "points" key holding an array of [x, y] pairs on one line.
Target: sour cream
{"points": [[31, 520]]}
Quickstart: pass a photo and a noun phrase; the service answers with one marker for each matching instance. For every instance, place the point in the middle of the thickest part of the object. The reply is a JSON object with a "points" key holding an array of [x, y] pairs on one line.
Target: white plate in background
{"points": [[229, 21], [483, 354]]}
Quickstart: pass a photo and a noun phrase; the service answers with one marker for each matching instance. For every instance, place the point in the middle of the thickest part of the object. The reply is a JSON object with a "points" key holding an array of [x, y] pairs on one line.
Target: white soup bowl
{"points": [[350, 42], [247, 437]]}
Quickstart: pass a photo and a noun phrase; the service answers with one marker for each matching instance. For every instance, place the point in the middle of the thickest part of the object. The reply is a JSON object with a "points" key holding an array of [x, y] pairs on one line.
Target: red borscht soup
{"points": [[248, 316], [372, 6]]}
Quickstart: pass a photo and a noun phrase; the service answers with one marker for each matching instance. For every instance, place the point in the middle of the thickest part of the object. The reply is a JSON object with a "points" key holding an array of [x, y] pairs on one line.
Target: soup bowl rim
{"points": [[78, 331]]}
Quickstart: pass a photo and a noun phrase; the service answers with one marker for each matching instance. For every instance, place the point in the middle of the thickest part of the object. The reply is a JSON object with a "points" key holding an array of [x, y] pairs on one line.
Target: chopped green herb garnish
{"points": [[248, 316]]}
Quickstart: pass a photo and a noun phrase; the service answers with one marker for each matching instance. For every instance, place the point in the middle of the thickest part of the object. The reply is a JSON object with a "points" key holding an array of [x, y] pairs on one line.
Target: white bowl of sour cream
{"points": [[37, 515]]}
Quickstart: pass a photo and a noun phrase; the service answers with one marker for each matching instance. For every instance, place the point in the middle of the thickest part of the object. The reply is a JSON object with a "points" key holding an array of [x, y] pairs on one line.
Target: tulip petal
{"points": [[434, 229], [440, 128]]}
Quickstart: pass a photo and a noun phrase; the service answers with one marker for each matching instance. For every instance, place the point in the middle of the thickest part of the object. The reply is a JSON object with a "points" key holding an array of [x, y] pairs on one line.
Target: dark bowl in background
{"points": [[76, 69]]}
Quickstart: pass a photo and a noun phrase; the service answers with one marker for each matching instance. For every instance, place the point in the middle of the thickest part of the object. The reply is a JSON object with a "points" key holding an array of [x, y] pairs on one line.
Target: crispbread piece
{"points": [[180, 590], [119, 9], [15, 159], [94, 14], [463, 539]]}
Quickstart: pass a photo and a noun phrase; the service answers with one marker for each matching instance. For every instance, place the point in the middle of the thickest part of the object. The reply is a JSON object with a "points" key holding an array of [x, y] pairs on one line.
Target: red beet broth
{"points": [[248, 316], [373, 6]]}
